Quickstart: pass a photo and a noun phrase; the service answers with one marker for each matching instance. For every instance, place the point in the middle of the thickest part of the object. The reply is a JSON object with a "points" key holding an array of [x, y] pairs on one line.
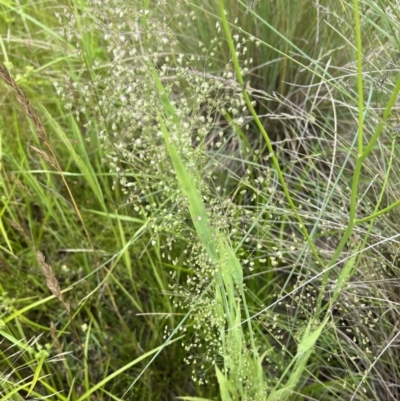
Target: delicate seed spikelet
{"points": [[51, 281], [24, 102], [32, 115], [17, 227], [56, 342], [47, 158]]}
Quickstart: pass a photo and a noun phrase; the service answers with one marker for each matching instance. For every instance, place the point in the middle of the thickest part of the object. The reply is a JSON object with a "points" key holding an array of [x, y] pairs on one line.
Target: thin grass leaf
{"points": [[127, 366], [223, 385], [85, 168]]}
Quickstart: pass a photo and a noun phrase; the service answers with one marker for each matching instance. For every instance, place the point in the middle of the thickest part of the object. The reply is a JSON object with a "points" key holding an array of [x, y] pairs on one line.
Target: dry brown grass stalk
{"points": [[44, 156], [51, 281], [56, 342], [19, 229], [24, 102], [42, 135], [31, 113]]}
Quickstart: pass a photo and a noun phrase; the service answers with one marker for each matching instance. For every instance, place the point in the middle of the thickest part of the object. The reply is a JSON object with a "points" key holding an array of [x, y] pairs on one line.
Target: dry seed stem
{"points": [[24, 102], [51, 280]]}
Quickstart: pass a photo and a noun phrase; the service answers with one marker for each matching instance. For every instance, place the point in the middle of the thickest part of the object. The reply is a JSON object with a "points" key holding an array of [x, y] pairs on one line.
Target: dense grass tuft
{"points": [[200, 200]]}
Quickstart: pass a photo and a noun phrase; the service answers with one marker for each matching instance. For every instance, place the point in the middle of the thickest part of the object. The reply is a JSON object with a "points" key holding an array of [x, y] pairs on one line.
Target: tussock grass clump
{"points": [[215, 188]]}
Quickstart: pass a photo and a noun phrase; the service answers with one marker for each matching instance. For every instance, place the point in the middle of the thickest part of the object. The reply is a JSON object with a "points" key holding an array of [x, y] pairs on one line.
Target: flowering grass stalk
{"points": [[239, 240]]}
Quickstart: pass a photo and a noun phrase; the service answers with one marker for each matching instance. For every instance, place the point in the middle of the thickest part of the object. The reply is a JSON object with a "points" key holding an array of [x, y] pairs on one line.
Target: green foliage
{"points": [[214, 188]]}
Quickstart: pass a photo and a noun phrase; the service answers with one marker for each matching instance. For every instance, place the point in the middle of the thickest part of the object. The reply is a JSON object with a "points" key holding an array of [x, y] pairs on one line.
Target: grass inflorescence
{"points": [[199, 200]]}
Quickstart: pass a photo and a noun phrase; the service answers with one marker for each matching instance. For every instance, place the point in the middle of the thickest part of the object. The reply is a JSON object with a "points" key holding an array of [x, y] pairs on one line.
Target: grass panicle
{"points": [[217, 191]]}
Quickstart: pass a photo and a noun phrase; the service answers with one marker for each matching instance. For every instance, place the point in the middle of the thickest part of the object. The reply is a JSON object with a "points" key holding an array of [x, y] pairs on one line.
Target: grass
{"points": [[199, 204]]}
